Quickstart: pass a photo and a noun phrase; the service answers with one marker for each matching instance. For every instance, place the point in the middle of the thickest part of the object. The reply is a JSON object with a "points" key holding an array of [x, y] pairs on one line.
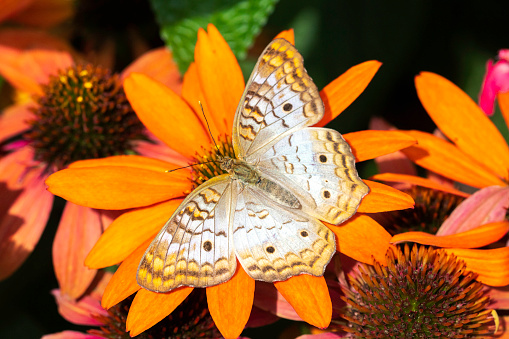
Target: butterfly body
{"points": [[265, 211]]}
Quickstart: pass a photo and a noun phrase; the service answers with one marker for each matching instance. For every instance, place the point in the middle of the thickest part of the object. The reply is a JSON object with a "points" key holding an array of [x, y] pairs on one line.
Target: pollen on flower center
{"points": [[208, 160], [421, 293], [83, 114]]}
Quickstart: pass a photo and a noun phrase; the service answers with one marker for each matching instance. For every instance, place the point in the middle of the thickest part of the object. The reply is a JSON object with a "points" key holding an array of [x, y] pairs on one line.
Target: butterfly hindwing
{"points": [[195, 247], [319, 166], [280, 97], [274, 243]]}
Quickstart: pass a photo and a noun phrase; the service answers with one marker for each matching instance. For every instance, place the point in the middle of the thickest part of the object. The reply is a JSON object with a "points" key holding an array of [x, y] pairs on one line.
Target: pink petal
{"points": [[24, 210], [496, 80], [13, 120], [485, 206], [80, 312], [78, 231], [269, 299], [329, 335], [159, 65], [499, 297], [155, 148], [260, 318], [70, 335]]}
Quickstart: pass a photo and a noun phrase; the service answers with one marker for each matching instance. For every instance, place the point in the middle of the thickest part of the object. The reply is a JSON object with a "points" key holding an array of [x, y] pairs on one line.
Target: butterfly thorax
{"points": [[249, 175]]}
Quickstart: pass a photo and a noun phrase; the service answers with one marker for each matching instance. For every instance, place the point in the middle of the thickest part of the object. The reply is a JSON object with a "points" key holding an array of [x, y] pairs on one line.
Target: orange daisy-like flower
{"points": [[44, 73], [476, 155], [142, 183]]}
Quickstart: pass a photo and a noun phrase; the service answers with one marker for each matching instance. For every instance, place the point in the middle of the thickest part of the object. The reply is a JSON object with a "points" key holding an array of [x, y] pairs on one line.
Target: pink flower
{"points": [[495, 81]]}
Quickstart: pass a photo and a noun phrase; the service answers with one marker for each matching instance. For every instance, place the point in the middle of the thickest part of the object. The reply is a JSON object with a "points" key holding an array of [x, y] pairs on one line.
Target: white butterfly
{"points": [[265, 211]]}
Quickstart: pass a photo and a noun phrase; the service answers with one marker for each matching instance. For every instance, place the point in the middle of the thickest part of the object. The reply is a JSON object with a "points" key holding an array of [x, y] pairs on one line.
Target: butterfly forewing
{"points": [[195, 247], [280, 97], [319, 167]]}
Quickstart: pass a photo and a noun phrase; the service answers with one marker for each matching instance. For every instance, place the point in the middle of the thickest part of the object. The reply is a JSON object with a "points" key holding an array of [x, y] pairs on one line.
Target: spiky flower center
{"points": [[209, 160], [432, 208], [83, 114], [422, 293], [191, 319]]}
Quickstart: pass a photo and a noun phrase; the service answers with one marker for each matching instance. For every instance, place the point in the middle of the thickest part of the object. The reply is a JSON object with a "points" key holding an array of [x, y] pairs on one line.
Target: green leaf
{"points": [[238, 21]]}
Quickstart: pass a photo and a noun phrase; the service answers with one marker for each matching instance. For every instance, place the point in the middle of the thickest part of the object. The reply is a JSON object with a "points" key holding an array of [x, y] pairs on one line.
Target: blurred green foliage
{"points": [[238, 21]]}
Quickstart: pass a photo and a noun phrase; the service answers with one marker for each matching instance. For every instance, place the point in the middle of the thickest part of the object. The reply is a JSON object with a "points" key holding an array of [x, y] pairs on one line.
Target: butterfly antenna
{"points": [[176, 169], [208, 126]]}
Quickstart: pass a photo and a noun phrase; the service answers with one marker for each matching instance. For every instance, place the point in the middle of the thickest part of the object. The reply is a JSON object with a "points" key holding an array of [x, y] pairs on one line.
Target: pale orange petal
{"points": [[370, 144], [230, 303], [477, 237], [13, 120], [159, 65], [463, 122], [192, 92], [148, 308], [123, 283], [133, 227], [115, 187], [23, 219], [45, 13], [80, 312], [362, 239], [340, 93], [444, 158], [288, 35], [309, 296], [423, 182], [503, 103], [77, 232], [27, 70], [491, 265], [220, 76], [165, 114], [383, 198]]}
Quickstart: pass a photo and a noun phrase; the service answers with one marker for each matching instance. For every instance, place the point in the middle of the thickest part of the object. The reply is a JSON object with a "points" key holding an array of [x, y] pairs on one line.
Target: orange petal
{"points": [[288, 35], [148, 308], [13, 120], [444, 158], [23, 219], [463, 122], [123, 283], [491, 265], [503, 103], [165, 114], [135, 161], [128, 231], [423, 182], [477, 237], [26, 38], [159, 65], [362, 239], [192, 92], [309, 296], [27, 70], [371, 144], [45, 13], [115, 187], [383, 198], [340, 93], [9, 8], [220, 76], [230, 303], [77, 232]]}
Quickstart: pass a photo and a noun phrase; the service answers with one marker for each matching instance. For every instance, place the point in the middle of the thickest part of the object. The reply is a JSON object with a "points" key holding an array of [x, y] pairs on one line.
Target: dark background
{"points": [[451, 38]]}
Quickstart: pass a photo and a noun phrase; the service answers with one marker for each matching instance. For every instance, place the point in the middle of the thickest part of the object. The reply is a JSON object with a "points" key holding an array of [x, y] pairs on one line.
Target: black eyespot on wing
{"points": [[326, 194], [270, 249], [304, 233], [207, 246], [287, 107], [323, 158]]}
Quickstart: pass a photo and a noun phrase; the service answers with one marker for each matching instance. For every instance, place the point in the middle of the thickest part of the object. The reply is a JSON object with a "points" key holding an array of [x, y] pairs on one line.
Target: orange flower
{"points": [[28, 61], [214, 79], [37, 13], [476, 155]]}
